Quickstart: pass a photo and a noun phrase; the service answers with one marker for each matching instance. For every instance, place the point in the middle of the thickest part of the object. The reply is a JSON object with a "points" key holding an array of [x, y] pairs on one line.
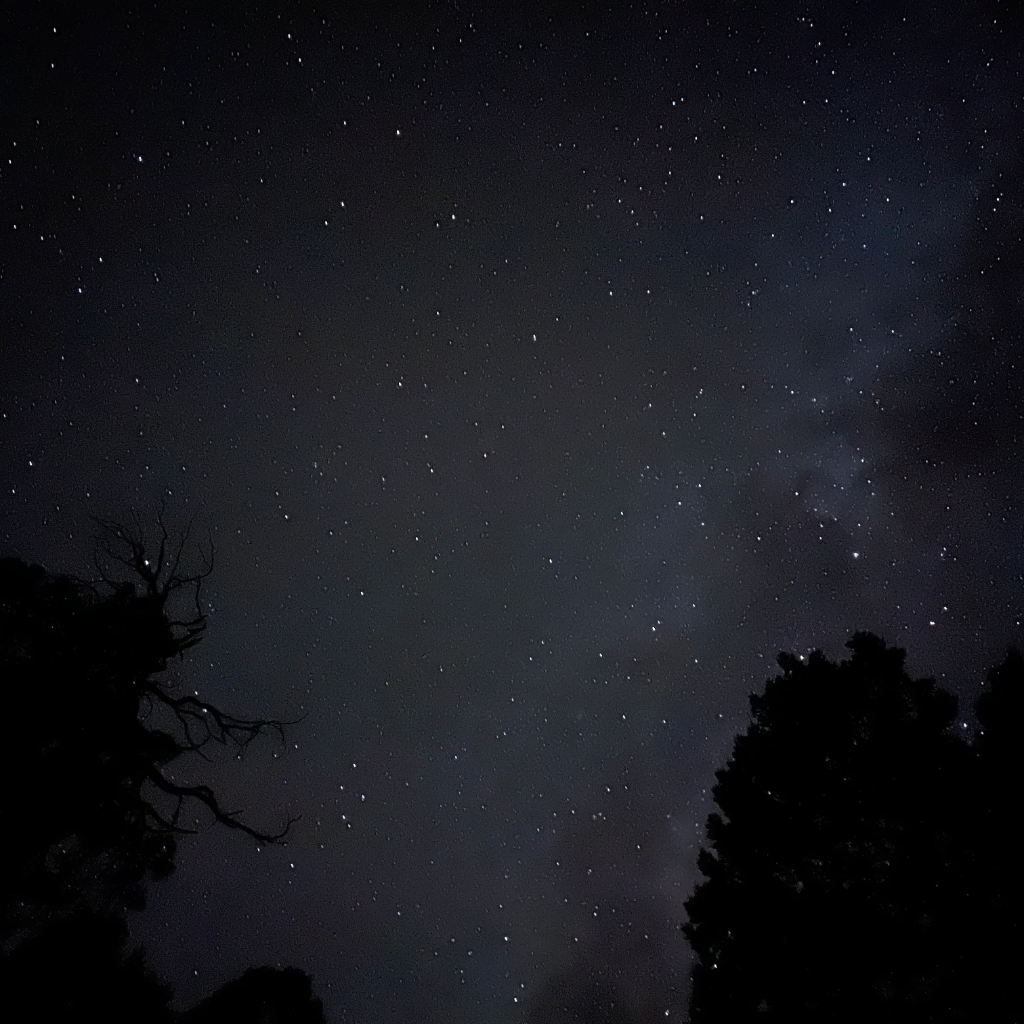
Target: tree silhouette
{"points": [[78, 967], [835, 885], [995, 930], [262, 995], [93, 727]]}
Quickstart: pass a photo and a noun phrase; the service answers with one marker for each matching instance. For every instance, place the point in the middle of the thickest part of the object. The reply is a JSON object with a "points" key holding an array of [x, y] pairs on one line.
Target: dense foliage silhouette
{"points": [[995, 934], [91, 812], [859, 869], [266, 995], [79, 967]]}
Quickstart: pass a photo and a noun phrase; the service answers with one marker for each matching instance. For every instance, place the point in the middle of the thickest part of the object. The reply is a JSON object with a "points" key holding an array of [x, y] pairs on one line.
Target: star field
{"points": [[539, 373]]}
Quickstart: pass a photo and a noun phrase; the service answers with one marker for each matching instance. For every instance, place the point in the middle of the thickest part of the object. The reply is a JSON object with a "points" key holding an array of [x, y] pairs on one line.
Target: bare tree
{"points": [[165, 578], [94, 726]]}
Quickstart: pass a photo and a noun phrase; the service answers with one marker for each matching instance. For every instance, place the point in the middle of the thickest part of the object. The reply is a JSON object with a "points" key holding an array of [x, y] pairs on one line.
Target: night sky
{"points": [[539, 373]]}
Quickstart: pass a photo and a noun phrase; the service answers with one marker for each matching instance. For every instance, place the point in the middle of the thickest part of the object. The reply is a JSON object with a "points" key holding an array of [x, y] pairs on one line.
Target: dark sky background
{"points": [[539, 373]]}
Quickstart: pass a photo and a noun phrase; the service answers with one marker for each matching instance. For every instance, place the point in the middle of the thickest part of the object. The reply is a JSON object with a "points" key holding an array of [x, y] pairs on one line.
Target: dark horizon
{"points": [[538, 376]]}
